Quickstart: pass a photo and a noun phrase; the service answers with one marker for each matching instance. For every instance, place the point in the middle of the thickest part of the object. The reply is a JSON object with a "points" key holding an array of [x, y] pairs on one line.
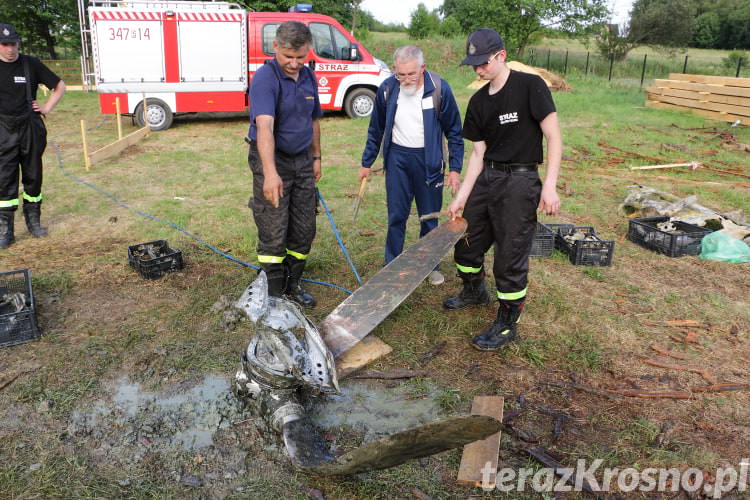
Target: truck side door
{"points": [[331, 50]]}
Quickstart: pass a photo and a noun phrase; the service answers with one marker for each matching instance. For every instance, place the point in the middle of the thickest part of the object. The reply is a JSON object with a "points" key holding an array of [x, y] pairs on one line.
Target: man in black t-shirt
{"points": [[505, 120], [23, 136]]}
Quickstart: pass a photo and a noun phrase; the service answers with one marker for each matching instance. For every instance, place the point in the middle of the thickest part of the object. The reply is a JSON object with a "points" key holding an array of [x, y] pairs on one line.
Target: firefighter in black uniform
{"points": [[285, 160], [23, 135], [505, 120]]}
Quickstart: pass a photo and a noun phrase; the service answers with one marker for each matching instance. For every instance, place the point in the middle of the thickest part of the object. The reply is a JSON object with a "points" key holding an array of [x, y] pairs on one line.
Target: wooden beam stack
{"points": [[719, 97]]}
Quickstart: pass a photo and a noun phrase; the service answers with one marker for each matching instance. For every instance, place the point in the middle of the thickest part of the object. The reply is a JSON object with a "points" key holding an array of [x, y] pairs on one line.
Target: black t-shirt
{"points": [[13, 84], [508, 121]]}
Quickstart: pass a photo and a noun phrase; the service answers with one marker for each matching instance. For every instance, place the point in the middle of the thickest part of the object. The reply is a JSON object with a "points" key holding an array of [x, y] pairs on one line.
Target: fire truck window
{"points": [[269, 35], [342, 44], [322, 41]]}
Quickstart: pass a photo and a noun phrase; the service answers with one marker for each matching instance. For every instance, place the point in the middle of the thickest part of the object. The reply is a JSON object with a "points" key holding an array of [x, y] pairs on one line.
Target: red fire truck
{"points": [[192, 56]]}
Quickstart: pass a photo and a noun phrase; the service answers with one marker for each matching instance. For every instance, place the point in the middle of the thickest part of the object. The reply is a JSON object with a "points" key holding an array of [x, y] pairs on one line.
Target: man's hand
{"points": [[454, 182], [455, 209], [273, 189], [550, 201], [317, 170], [363, 172], [38, 109]]}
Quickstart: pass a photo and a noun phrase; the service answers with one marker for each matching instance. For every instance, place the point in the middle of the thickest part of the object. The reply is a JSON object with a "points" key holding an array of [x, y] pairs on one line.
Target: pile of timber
{"points": [[719, 97]]}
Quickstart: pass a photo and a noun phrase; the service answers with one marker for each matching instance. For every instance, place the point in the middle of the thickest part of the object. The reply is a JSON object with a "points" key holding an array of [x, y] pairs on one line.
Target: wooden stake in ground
{"points": [[86, 158], [119, 122], [479, 461]]}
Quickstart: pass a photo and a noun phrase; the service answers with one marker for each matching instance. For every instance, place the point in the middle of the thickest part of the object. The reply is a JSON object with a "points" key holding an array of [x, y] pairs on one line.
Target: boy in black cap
{"points": [[502, 191], [23, 136]]}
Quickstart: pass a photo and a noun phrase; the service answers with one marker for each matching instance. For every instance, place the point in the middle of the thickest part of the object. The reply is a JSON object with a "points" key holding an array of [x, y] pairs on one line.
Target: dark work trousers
{"points": [[291, 226], [22, 143], [501, 210], [404, 182]]}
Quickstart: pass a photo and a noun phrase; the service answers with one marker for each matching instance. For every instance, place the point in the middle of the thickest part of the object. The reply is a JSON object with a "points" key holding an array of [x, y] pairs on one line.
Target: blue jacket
{"points": [[381, 128]]}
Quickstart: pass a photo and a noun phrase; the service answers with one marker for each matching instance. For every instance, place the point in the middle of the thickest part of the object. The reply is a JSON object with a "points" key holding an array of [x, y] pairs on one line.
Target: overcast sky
{"points": [[399, 11]]}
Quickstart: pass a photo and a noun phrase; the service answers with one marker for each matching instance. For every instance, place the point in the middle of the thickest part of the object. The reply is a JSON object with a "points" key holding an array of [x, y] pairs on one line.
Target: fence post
{"points": [[643, 70], [548, 53], [586, 71], [531, 57], [611, 63], [684, 66], [565, 67], [739, 67]]}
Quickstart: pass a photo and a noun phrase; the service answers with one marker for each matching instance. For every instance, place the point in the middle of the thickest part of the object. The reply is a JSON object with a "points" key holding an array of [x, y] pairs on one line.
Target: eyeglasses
{"points": [[488, 61], [402, 77]]}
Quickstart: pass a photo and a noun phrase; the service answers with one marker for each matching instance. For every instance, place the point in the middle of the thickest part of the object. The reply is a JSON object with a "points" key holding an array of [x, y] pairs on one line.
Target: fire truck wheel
{"points": [[359, 103], [158, 114]]}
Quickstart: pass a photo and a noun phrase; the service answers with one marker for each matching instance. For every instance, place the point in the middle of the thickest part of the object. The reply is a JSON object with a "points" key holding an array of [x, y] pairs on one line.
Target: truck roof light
{"points": [[301, 7]]}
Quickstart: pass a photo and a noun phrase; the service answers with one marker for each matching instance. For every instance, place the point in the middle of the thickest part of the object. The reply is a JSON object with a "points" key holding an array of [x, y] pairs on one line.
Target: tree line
{"points": [[711, 24], [46, 26]]}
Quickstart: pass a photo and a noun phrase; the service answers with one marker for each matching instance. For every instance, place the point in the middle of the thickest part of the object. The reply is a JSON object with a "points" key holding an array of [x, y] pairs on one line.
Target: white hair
{"points": [[408, 53]]}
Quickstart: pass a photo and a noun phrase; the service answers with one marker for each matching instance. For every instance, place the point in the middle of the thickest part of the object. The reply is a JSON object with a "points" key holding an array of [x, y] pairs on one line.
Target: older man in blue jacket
{"points": [[414, 109]]}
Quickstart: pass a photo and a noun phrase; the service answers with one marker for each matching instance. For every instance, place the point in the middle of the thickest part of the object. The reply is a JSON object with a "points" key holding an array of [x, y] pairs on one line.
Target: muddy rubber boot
{"points": [[294, 289], [503, 330], [474, 292], [6, 228], [276, 275], [32, 213]]}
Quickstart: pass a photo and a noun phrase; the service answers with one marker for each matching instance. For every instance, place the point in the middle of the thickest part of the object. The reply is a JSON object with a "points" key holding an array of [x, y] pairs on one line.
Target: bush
{"points": [[450, 27], [730, 62]]}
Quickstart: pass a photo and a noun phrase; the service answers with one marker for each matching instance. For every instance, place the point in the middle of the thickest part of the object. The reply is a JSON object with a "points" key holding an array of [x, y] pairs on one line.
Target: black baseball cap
{"points": [[481, 45], [8, 34]]}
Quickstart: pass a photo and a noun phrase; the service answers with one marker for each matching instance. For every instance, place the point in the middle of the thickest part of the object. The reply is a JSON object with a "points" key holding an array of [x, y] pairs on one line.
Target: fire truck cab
{"points": [[193, 56]]}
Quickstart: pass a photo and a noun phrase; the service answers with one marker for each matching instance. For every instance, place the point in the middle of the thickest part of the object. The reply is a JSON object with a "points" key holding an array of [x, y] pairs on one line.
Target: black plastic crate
{"points": [[544, 241], [643, 232], [154, 258], [593, 251], [18, 322], [559, 229]]}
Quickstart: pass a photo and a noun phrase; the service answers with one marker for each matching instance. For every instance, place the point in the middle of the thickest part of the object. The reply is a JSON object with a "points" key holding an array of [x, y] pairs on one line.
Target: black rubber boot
{"points": [[473, 293], [6, 228], [294, 289], [503, 330], [276, 275], [32, 213]]}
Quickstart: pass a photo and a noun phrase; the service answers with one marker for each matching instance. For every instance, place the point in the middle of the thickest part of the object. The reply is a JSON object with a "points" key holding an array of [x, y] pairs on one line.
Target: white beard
{"points": [[409, 90]]}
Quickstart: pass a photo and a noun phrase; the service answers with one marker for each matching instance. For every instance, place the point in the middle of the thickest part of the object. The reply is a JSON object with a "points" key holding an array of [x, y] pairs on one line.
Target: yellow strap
{"points": [[468, 270], [296, 255], [512, 295], [32, 199], [270, 259]]}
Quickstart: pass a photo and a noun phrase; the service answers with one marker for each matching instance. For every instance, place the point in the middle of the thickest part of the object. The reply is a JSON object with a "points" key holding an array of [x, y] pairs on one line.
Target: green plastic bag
{"points": [[719, 246]]}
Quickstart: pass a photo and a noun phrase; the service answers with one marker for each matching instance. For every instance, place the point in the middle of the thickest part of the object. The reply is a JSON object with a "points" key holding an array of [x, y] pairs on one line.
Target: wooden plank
{"points": [[743, 111], [724, 117], [117, 147], [362, 354], [701, 95], [718, 80], [482, 455], [703, 87]]}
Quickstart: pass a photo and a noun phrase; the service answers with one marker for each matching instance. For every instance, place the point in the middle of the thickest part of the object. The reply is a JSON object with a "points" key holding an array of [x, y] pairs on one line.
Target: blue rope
{"points": [[195, 237], [338, 238]]}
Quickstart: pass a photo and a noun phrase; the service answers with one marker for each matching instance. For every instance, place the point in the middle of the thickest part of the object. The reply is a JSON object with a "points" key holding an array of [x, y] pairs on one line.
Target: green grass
{"points": [[103, 321]]}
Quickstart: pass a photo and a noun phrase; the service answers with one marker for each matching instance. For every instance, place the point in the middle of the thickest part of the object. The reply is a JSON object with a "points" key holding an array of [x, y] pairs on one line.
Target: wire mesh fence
{"points": [[636, 68]]}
